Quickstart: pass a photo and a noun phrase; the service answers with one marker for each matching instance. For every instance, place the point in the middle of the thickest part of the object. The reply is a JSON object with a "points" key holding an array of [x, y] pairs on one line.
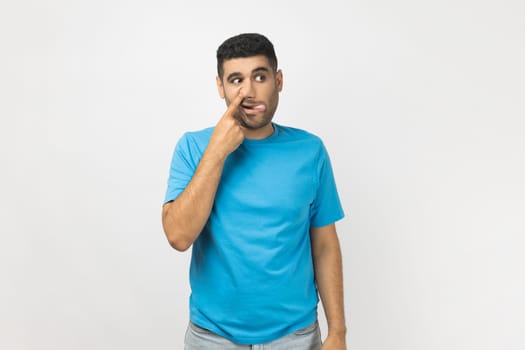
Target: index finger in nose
{"points": [[236, 102]]}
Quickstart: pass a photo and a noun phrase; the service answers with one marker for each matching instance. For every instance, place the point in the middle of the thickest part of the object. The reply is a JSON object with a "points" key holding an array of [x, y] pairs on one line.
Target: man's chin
{"points": [[250, 122], [255, 126]]}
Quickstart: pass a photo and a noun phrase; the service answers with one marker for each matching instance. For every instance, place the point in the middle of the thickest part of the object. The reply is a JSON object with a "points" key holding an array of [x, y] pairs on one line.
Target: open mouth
{"points": [[251, 107]]}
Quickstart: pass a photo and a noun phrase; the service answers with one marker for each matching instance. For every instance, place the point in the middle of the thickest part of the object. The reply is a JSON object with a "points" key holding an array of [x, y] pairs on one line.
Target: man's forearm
{"points": [[330, 284], [184, 218], [329, 278]]}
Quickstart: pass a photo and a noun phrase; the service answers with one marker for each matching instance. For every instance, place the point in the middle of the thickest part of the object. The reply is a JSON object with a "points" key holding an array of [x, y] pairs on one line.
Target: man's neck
{"points": [[259, 134]]}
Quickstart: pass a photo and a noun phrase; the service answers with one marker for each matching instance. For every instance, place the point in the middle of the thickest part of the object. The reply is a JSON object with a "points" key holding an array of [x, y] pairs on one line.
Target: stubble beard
{"points": [[251, 122]]}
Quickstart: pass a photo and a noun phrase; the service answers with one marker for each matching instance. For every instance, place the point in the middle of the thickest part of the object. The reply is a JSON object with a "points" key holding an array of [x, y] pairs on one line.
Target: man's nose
{"points": [[248, 88]]}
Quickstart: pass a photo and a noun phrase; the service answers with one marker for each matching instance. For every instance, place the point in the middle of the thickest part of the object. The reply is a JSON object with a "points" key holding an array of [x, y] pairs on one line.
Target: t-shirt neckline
{"points": [[270, 138]]}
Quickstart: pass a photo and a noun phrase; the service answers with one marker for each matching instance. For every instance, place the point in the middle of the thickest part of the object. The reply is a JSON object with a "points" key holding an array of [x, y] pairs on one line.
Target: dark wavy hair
{"points": [[245, 45]]}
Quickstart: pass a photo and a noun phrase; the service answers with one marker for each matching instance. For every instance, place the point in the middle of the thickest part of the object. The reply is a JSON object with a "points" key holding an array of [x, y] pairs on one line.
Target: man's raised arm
{"points": [[184, 218]]}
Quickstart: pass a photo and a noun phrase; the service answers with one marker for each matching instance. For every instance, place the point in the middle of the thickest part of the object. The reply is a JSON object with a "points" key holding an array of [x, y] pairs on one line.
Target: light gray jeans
{"points": [[308, 338]]}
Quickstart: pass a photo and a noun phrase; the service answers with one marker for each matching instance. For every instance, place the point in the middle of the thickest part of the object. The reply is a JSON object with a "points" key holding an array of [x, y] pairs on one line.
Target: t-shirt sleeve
{"points": [[326, 207], [183, 166]]}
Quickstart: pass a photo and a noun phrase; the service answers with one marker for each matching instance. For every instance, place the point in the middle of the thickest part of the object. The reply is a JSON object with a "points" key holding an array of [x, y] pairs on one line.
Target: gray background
{"points": [[421, 106]]}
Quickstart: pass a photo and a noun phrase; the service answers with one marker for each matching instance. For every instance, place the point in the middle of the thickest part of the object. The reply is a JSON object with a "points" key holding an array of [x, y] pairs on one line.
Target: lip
{"points": [[251, 107]]}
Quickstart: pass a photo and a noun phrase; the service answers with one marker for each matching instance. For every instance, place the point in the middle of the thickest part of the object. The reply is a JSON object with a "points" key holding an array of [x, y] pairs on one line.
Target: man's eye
{"points": [[260, 78], [236, 81]]}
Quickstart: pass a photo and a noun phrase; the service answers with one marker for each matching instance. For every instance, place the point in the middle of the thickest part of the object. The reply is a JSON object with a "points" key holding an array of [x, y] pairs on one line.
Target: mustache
{"points": [[250, 101]]}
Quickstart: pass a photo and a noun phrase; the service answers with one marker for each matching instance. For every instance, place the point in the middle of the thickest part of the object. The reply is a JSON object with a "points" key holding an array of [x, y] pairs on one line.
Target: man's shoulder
{"points": [[296, 134], [197, 136], [194, 141]]}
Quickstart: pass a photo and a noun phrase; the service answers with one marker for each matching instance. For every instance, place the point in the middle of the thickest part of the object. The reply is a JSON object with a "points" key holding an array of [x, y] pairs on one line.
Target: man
{"points": [[258, 202]]}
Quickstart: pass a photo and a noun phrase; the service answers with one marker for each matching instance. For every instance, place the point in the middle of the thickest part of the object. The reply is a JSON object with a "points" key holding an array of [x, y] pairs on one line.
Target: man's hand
{"points": [[228, 133], [334, 343]]}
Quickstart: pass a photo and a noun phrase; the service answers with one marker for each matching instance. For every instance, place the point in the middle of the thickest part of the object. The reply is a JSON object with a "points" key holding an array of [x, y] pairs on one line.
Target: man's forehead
{"points": [[245, 65]]}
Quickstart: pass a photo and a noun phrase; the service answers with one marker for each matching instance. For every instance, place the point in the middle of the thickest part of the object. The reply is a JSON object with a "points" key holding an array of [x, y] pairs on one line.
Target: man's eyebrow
{"points": [[258, 69], [232, 75], [239, 74]]}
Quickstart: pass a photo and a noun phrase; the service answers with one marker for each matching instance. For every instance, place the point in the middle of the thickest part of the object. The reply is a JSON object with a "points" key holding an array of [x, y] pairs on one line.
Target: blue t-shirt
{"points": [[251, 270]]}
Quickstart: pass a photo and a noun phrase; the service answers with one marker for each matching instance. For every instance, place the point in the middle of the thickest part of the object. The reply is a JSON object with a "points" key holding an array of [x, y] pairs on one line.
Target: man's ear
{"points": [[220, 87], [279, 80]]}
